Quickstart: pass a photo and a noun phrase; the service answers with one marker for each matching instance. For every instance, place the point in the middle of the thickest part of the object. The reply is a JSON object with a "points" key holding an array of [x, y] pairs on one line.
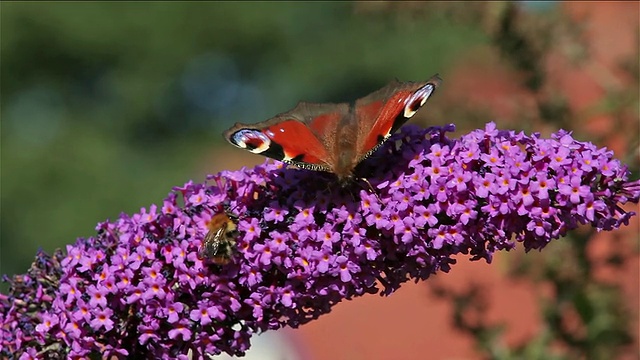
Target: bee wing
{"points": [[211, 242]]}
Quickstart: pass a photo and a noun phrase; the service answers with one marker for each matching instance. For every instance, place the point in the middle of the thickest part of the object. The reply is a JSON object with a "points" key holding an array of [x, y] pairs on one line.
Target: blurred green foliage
{"points": [[105, 106]]}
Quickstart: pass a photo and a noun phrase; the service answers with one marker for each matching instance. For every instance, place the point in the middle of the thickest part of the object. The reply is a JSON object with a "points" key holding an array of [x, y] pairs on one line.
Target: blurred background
{"points": [[105, 106]]}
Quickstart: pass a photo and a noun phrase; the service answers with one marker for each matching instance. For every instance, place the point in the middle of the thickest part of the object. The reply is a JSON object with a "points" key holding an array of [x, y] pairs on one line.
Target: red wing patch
{"points": [[297, 141]]}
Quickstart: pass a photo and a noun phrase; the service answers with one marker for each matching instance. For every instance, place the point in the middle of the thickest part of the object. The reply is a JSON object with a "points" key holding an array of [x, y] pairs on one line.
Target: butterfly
{"points": [[219, 243], [334, 137]]}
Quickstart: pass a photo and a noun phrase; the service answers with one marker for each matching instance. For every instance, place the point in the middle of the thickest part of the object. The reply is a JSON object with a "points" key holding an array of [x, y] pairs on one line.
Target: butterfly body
{"points": [[334, 137]]}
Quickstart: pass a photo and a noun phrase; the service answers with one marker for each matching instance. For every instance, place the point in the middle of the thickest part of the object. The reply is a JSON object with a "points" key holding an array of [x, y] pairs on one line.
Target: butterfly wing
{"points": [[303, 136], [381, 113]]}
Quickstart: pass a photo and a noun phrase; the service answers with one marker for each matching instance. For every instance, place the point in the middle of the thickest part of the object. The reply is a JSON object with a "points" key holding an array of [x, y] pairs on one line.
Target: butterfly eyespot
{"points": [[419, 98], [412, 108], [252, 140]]}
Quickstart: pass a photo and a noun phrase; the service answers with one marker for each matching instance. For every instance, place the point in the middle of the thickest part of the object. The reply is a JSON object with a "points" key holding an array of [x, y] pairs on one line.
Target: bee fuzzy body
{"points": [[219, 243]]}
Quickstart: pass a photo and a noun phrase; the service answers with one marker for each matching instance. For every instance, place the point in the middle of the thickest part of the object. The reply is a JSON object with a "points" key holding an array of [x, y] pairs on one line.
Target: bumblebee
{"points": [[219, 243]]}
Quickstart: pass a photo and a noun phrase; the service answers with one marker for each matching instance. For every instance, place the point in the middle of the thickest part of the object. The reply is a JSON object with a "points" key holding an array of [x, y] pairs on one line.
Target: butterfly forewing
{"points": [[300, 136], [383, 112]]}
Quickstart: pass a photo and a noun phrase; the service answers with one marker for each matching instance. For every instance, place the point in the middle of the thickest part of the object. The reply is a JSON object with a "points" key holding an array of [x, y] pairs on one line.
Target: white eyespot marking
{"points": [[417, 100], [253, 140]]}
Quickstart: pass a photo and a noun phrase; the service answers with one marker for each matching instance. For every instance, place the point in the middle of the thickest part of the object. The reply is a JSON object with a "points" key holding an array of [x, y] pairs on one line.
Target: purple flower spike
{"points": [[304, 243]]}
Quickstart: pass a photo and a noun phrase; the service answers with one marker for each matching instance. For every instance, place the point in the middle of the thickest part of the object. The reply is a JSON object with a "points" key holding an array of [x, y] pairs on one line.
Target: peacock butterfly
{"points": [[334, 137]]}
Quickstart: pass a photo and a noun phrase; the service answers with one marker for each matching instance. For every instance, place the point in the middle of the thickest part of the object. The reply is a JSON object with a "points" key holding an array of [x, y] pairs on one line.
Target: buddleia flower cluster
{"points": [[305, 242]]}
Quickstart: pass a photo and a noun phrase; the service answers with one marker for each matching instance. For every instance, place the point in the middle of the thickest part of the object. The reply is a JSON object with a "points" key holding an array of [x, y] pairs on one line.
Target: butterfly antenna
{"points": [[373, 191]]}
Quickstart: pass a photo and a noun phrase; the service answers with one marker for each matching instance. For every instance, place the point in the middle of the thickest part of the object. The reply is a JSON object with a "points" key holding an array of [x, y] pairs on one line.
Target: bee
{"points": [[219, 243]]}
